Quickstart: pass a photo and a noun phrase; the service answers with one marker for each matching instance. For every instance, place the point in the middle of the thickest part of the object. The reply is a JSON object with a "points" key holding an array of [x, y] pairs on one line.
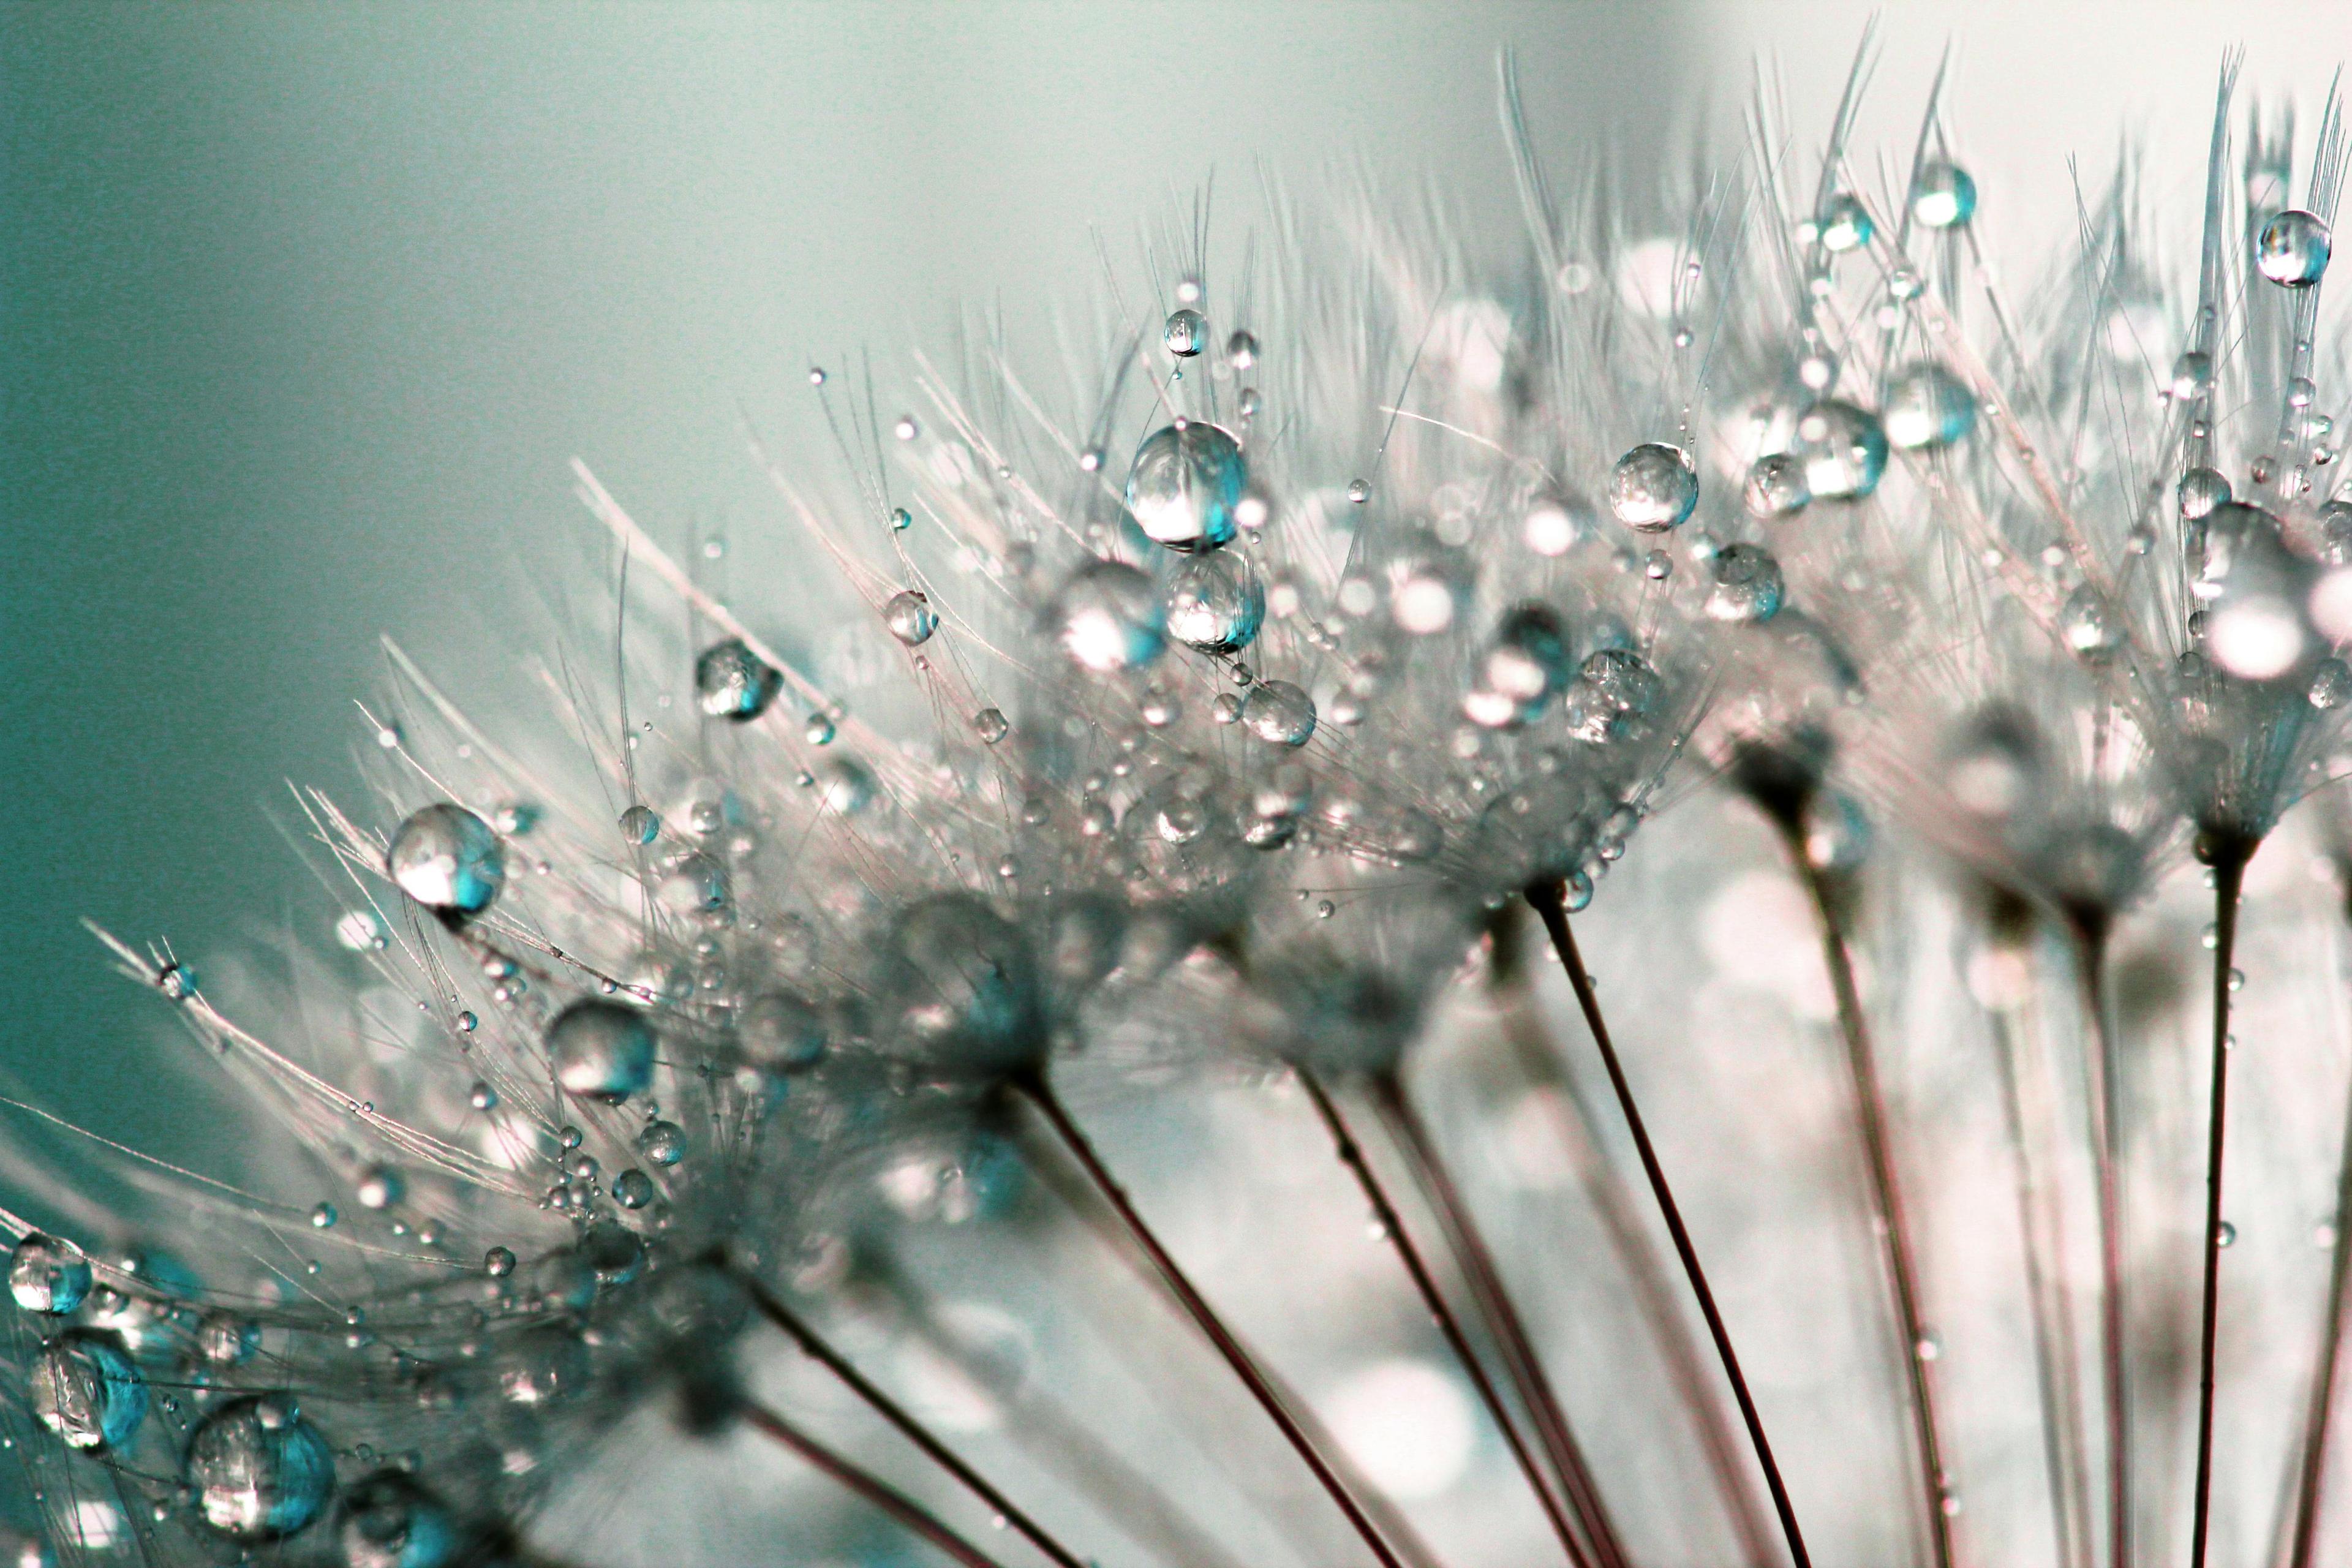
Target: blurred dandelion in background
{"points": [[1585, 891]]}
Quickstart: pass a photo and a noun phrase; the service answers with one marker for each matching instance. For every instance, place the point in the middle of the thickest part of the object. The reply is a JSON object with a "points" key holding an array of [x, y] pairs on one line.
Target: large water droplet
{"points": [[732, 682], [962, 984], [1776, 486], [1844, 225], [1927, 407], [2088, 625], [1279, 713], [2292, 249], [1842, 448], [1654, 488], [448, 860], [1186, 333], [1107, 617], [1748, 584], [1522, 670], [1216, 603], [390, 1521], [601, 1050], [85, 1388], [1944, 195], [1186, 479], [260, 1471], [46, 1275], [910, 619], [781, 1031]]}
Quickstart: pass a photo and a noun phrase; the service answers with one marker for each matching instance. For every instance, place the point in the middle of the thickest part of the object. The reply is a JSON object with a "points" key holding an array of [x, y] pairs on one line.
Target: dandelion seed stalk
{"points": [[1393, 1229], [2229, 865], [1549, 901]]}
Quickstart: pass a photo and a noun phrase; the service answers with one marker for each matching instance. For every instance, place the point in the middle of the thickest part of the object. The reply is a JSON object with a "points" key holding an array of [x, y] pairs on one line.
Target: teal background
{"points": [[303, 310]]}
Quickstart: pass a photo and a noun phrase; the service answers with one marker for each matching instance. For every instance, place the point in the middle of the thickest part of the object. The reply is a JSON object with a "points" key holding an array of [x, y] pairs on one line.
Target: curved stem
{"points": [[1502, 1319], [1039, 1093], [883, 1496], [1577, 1125], [1351, 1154], [2229, 876], [800, 1334], [1550, 907], [2106, 1153], [1887, 1196], [2042, 1239], [2317, 1416], [1041, 1427]]}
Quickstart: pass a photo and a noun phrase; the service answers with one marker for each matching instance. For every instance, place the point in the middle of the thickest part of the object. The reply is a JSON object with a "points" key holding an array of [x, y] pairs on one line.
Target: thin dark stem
{"points": [[1501, 1316], [2229, 876], [1550, 907], [1085, 1202], [1578, 1126], [1351, 1154], [2317, 1418], [1040, 1094], [1040, 1426], [800, 1334], [883, 1496], [2106, 1151], [1886, 1195], [2054, 1363]]}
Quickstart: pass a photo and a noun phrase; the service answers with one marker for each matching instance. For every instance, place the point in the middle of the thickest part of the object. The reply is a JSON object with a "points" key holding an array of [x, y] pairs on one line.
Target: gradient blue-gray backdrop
{"points": [[304, 308]]}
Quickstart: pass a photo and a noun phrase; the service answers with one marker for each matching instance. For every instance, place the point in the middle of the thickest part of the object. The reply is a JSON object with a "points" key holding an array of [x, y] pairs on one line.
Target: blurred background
{"points": [[303, 310]]}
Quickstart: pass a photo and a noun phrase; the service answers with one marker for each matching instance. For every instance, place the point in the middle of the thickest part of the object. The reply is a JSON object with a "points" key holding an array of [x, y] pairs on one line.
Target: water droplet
{"points": [[498, 1262], [989, 725], [1279, 713], [1184, 484], [601, 1050], [1360, 492], [2225, 1233], [1927, 407], [910, 619], [1844, 224], [663, 1143], [2087, 626], [261, 1472], [1426, 590], [905, 429], [1776, 486], [225, 1339], [732, 682], [819, 730], [448, 860], [380, 1187], [901, 519], [358, 930], [1108, 617], [85, 1387], [1748, 584], [1216, 603], [483, 1097], [2201, 489], [2331, 684], [390, 1521], [843, 787], [1555, 524], [1842, 448], [1944, 195], [1654, 488], [640, 824], [961, 986], [47, 1275], [1186, 333], [1523, 668], [324, 1218], [632, 1189], [2292, 250], [1241, 349]]}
